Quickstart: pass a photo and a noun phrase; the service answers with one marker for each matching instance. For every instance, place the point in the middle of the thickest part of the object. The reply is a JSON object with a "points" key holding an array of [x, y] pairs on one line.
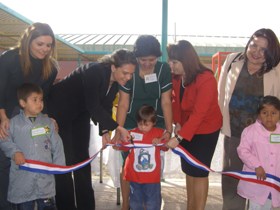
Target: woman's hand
{"points": [[166, 135], [124, 134], [4, 128], [117, 138], [106, 139], [177, 128], [55, 125], [172, 143]]}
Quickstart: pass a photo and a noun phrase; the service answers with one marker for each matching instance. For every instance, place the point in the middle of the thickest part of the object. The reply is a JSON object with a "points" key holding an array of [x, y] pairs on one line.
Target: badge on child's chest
{"points": [[150, 78], [137, 136], [275, 138], [39, 131]]}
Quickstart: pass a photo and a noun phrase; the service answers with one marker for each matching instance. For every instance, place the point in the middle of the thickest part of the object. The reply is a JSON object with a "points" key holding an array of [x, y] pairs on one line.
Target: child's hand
{"points": [[260, 173], [19, 158], [156, 141]]}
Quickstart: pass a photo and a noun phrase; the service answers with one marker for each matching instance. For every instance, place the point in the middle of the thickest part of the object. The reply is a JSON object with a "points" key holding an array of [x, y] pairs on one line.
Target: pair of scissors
{"points": [[131, 139]]}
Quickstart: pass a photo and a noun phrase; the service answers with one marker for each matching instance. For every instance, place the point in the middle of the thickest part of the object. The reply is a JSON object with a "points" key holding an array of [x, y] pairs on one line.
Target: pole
{"points": [[164, 29]]}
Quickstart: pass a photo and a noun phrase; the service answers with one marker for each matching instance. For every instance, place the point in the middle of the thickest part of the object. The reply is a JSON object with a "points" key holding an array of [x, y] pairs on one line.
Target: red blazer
{"points": [[198, 113]]}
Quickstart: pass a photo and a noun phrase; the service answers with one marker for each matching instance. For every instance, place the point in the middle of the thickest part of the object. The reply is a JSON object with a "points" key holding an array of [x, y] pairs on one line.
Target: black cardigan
{"points": [[85, 89], [11, 77]]}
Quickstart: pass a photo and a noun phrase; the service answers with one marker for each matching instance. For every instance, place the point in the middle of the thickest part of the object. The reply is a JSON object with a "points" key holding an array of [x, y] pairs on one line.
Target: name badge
{"points": [[39, 131], [275, 138], [150, 78], [137, 136]]}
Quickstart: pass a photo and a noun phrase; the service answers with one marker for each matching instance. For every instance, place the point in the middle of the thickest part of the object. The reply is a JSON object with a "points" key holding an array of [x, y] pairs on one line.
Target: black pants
{"points": [[231, 162], [75, 192], [42, 204], [4, 180]]}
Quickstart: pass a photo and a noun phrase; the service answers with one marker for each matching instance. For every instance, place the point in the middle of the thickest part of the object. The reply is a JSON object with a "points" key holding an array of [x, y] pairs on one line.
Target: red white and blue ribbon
{"points": [[47, 168], [271, 180]]}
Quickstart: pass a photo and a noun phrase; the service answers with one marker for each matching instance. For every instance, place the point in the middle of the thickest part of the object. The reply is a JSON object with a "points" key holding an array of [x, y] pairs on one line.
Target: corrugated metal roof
{"points": [[106, 43], [13, 24], [91, 46]]}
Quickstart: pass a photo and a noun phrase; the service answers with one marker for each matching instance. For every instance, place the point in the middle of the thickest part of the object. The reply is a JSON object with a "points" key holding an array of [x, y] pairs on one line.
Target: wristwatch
{"points": [[179, 138]]}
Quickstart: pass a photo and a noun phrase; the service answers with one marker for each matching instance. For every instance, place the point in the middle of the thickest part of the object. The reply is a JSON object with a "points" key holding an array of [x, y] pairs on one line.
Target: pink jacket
{"points": [[256, 150]]}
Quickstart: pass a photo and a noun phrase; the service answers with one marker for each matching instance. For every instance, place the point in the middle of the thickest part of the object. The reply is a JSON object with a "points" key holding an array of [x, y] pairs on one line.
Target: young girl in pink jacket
{"points": [[259, 150]]}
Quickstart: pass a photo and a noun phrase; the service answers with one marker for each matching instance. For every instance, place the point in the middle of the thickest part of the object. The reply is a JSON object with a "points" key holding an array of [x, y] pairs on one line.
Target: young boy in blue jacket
{"points": [[32, 135]]}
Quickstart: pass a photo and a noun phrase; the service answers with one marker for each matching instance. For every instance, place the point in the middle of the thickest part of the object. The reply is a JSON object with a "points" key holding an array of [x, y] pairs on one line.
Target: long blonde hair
{"points": [[32, 32]]}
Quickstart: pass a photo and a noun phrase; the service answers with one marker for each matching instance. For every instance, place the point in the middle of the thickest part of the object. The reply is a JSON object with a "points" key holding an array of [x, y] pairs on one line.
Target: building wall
{"points": [[66, 67]]}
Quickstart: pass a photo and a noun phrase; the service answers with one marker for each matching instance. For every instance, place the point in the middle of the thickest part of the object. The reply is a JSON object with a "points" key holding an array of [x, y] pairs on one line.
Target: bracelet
{"points": [[104, 132], [179, 139]]}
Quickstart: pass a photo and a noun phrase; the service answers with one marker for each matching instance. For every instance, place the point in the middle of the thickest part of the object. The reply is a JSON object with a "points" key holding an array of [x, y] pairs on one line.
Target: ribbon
{"points": [[271, 180], [47, 168]]}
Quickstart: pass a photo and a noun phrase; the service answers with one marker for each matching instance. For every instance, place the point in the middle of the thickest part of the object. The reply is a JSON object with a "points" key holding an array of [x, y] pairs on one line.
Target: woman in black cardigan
{"points": [[87, 93]]}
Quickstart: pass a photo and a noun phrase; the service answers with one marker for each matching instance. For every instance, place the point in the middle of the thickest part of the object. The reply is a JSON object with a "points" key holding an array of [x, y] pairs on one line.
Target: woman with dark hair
{"points": [[34, 61], [150, 85], [196, 115], [245, 78], [87, 93]]}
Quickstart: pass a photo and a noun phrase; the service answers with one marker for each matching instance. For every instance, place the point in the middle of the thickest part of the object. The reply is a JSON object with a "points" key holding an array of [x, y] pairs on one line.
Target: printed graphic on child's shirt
{"points": [[144, 159]]}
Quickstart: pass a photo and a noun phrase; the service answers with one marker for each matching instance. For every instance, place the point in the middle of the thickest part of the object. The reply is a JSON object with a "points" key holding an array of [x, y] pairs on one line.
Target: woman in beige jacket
{"points": [[244, 79]]}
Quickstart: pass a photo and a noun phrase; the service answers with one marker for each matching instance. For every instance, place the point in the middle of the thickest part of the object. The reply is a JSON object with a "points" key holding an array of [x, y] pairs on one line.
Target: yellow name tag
{"points": [[275, 138]]}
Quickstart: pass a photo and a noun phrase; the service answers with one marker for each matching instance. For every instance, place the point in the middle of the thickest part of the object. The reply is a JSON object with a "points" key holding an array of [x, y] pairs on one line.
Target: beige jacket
{"points": [[227, 83]]}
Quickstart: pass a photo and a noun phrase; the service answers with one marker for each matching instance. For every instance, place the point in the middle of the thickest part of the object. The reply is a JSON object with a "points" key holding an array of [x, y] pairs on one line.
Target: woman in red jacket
{"points": [[196, 115]]}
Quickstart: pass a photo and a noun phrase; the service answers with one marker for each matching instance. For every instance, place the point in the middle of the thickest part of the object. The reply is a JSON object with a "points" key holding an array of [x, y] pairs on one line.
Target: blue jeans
{"points": [[42, 204], [145, 195]]}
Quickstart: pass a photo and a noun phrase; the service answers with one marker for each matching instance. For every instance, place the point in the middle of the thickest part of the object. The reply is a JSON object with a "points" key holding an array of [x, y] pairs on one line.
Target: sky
{"points": [[185, 17]]}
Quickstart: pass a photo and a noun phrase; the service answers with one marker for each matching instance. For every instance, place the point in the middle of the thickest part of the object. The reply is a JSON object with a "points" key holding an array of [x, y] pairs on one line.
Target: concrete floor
{"points": [[173, 194], [173, 188]]}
